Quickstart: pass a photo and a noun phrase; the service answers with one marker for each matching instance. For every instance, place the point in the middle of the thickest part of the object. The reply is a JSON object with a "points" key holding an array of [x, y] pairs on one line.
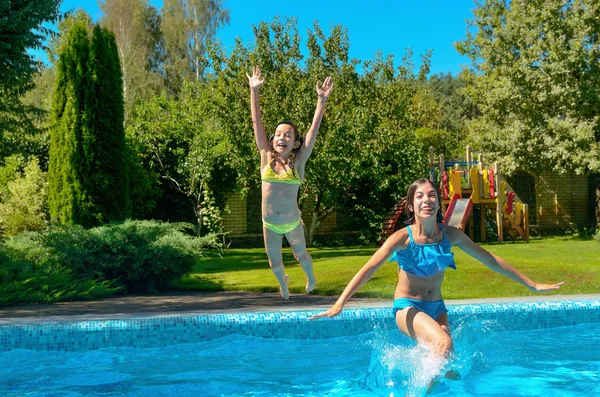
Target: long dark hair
{"points": [[410, 198]]}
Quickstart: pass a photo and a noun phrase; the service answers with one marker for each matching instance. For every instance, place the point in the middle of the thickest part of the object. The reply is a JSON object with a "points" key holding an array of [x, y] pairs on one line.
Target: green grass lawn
{"points": [[572, 260]]}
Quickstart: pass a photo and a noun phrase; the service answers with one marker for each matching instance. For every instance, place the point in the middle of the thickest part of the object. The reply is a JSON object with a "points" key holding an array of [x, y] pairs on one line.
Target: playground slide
{"points": [[458, 212], [393, 220]]}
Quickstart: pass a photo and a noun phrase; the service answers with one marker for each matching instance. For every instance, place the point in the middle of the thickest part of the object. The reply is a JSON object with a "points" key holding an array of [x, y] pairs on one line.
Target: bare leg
{"points": [[298, 244], [442, 320], [420, 326], [434, 333], [273, 243]]}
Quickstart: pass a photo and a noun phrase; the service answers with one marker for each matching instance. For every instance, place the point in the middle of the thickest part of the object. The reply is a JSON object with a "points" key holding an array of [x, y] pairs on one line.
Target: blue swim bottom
{"points": [[432, 308]]}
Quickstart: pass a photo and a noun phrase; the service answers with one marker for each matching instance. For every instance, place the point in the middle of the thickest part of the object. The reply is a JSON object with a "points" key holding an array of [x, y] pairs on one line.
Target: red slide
{"points": [[458, 212]]}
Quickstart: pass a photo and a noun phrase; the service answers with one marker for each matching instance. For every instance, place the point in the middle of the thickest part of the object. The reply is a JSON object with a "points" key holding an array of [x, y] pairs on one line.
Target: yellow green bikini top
{"points": [[290, 177]]}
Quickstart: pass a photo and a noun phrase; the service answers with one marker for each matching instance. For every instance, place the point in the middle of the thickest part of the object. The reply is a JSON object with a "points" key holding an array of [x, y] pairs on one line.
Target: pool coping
{"points": [[152, 332], [267, 304]]}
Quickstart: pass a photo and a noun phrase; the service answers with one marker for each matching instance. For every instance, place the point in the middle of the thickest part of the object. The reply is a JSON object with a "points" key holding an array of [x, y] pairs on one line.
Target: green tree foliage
{"points": [[28, 118], [187, 148], [21, 28], [366, 153], [136, 26], [32, 138], [22, 128], [23, 205], [456, 110], [58, 42], [536, 83], [66, 199], [144, 185], [105, 177], [87, 175], [188, 26], [12, 169]]}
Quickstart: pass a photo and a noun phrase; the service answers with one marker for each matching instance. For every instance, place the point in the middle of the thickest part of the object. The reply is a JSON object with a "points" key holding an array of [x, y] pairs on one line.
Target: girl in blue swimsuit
{"points": [[282, 161], [423, 253]]}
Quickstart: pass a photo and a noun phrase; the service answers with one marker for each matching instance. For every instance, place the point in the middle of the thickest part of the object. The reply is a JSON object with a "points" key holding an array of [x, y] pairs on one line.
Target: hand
{"points": [[546, 287], [324, 91], [255, 81], [332, 312]]}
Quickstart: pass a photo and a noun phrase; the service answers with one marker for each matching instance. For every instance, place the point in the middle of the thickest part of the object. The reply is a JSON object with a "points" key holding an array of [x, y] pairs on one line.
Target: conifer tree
{"points": [[105, 169], [66, 198], [87, 175]]}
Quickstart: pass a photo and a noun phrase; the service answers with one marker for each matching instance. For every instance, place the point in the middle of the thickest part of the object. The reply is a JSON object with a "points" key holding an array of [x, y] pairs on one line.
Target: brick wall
{"points": [[235, 221], [562, 200]]}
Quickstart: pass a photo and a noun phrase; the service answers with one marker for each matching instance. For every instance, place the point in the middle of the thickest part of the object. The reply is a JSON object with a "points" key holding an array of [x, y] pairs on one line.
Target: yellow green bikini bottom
{"points": [[282, 228]]}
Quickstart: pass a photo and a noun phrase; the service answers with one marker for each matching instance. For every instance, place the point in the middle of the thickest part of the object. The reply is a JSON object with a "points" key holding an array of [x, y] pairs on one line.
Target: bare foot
{"points": [[310, 284], [285, 292]]}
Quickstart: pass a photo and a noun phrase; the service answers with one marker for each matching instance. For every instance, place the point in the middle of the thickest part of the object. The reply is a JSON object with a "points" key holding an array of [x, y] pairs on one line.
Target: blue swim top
{"points": [[424, 260]]}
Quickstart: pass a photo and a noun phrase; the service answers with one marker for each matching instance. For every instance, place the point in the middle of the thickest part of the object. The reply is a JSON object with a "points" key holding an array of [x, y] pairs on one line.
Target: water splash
{"points": [[401, 367]]}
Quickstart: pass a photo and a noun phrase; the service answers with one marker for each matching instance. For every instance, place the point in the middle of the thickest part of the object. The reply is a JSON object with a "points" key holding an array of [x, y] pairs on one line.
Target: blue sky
{"points": [[388, 26]]}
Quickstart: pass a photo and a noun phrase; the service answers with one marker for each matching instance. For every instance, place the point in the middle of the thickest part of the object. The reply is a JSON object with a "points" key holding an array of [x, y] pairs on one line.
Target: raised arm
{"points": [[255, 81], [394, 243], [495, 262], [309, 142]]}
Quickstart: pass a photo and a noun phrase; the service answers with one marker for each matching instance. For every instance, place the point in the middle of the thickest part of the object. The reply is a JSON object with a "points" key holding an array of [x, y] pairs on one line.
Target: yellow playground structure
{"points": [[467, 186]]}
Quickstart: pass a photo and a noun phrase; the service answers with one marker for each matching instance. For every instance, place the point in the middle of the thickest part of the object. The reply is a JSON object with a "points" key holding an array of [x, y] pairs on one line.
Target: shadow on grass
{"points": [[236, 260]]}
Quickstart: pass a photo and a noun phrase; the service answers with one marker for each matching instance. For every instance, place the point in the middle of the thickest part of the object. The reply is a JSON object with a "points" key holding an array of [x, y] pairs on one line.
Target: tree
{"points": [[455, 107], [105, 173], [87, 175], [66, 199], [28, 120], [366, 153], [188, 26], [136, 26], [537, 81], [58, 42], [186, 147], [21, 28], [23, 205], [537, 84]]}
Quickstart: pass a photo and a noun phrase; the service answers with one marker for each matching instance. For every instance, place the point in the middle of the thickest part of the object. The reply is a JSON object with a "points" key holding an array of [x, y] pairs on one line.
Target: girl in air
{"points": [[282, 160]]}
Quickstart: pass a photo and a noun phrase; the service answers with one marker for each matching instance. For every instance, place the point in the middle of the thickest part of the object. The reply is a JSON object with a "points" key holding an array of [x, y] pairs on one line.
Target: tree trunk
{"points": [[594, 200], [598, 203], [314, 224], [196, 36]]}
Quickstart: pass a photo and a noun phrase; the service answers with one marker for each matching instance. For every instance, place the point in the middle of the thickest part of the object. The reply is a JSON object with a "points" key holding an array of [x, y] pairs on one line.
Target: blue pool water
{"points": [[559, 361]]}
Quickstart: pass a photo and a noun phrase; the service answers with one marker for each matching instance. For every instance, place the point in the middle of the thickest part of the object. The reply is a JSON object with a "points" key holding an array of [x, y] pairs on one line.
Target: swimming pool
{"points": [[533, 349]]}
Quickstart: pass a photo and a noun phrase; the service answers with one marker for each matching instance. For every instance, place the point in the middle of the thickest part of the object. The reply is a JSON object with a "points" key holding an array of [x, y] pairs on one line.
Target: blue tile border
{"points": [[168, 330]]}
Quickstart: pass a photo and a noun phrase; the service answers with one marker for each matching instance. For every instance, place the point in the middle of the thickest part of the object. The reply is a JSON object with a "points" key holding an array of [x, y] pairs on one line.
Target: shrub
{"points": [[23, 205], [23, 280], [143, 256]]}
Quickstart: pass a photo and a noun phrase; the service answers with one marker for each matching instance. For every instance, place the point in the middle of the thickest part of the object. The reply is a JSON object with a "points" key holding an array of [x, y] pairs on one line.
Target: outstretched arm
{"points": [[365, 273], [498, 264], [309, 142], [255, 81]]}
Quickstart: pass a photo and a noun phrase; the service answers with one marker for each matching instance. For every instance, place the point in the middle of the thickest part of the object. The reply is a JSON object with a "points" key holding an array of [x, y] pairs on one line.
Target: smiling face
{"points": [[426, 203], [423, 201], [284, 139]]}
